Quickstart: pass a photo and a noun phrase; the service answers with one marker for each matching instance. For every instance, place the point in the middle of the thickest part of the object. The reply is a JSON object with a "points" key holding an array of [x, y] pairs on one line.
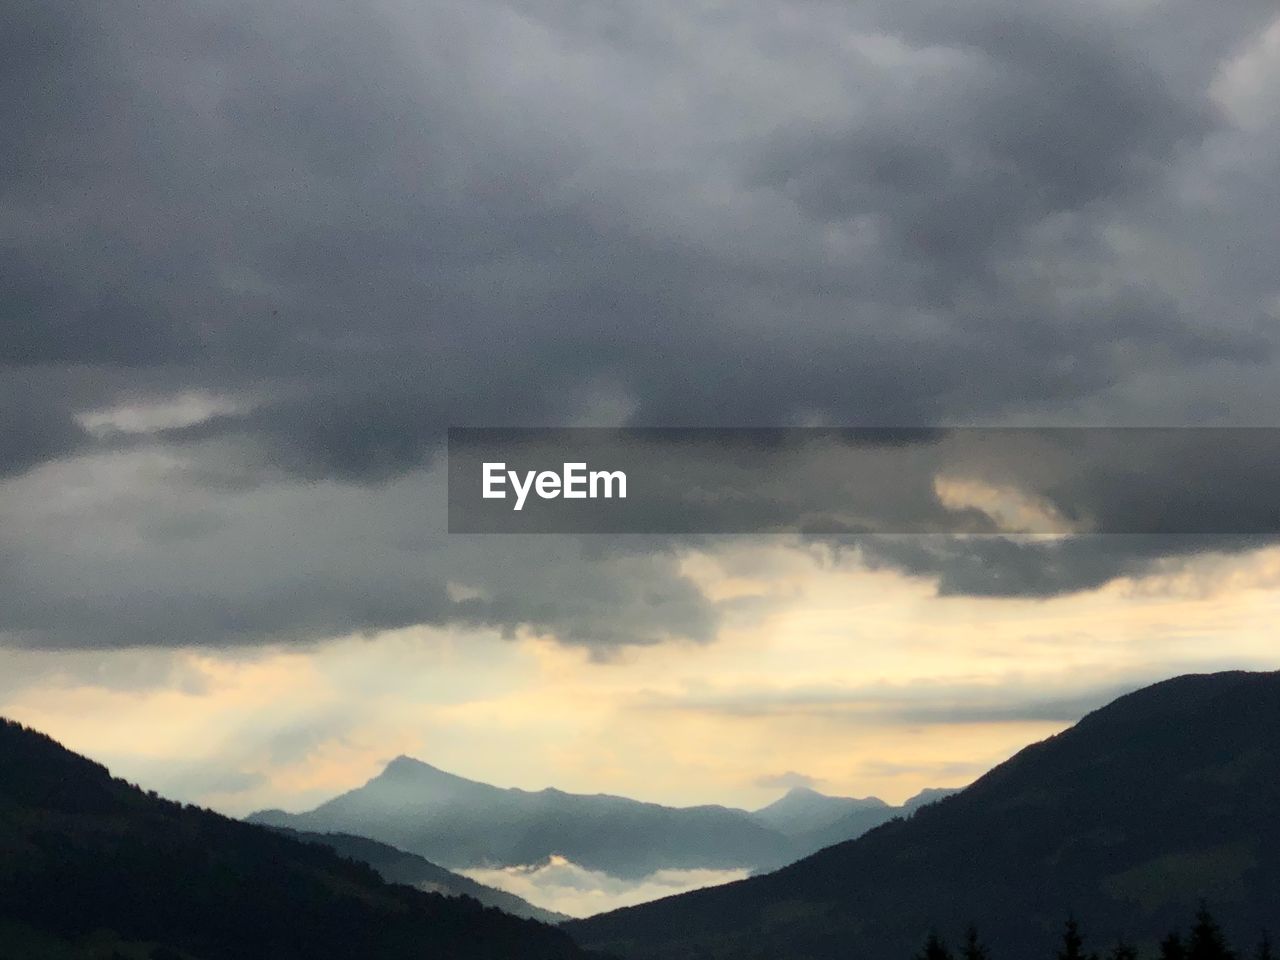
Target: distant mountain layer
{"points": [[397, 866], [93, 867], [804, 810], [856, 820], [461, 823], [1127, 820]]}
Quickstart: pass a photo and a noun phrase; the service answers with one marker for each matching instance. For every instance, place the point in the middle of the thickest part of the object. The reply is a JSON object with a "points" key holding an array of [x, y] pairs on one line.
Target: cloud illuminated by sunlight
{"points": [[861, 680]]}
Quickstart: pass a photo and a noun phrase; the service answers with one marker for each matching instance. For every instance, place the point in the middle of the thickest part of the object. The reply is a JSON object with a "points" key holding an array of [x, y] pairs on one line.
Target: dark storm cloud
{"points": [[339, 203], [1035, 115], [153, 557], [814, 480], [34, 429], [365, 222], [1015, 567]]}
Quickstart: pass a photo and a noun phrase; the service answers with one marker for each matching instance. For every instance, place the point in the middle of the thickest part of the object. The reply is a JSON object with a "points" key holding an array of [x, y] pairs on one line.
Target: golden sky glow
{"points": [[864, 681]]}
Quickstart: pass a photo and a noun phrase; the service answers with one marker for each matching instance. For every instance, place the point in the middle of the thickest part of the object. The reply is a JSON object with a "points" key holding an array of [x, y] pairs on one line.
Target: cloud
{"points": [[134, 671], [565, 887], [162, 560], [362, 226], [203, 779], [437, 241], [35, 427], [1034, 567], [957, 771], [788, 781], [1006, 700]]}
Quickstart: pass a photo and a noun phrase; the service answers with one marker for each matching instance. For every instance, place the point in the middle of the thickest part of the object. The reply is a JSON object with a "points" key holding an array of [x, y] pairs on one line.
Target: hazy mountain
{"points": [[93, 867], [397, 866], [854, 821], [1127, 820], [803, 810], [927, 795], [461, 823]]}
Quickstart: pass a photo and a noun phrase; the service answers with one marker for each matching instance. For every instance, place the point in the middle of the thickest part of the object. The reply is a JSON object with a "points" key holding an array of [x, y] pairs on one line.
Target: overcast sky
{"points": [[256, 256]]}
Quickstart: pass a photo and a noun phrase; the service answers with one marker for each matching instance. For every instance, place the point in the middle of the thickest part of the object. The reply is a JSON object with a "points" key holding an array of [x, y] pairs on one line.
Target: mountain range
{"points": [[92, 867], [1165, 798], [462, 823]]}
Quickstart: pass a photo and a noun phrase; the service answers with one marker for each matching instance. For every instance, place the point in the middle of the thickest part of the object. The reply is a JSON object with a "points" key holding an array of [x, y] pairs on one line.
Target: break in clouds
{"points": [[257, 256]]}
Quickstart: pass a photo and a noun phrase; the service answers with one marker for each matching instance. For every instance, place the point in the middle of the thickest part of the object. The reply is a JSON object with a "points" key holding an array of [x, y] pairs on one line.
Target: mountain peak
{"points": [[802, 809], [405, 773], [806, 794], [405, 767], [406, 763], [801, 790]]}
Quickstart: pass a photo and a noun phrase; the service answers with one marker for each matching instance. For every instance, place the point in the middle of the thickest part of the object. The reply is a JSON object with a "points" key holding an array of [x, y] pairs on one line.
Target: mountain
{"points": [[397, 866], [803, 810], [858, 819], [461, 823], [92, 867], [927, 795], [1127, 820]]}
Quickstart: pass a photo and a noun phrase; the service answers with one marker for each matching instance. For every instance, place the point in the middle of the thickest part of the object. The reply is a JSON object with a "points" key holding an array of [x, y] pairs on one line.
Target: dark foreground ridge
{"points": [[397, 866], [93, 867], [1166, 797]]}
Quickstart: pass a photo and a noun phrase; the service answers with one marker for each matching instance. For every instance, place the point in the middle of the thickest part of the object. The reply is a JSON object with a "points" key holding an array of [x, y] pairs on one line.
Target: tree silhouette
{"points": [[1206, 941], [974, 949], [935, 948], [1073, 943]]}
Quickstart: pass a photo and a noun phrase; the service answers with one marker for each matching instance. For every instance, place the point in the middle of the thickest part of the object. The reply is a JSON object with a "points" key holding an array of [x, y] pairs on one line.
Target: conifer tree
{"points": [[1206, 941], [974, 949], [1264, 948], [935, 948], [1123, 951], [1172, 948], [1073, 943]]}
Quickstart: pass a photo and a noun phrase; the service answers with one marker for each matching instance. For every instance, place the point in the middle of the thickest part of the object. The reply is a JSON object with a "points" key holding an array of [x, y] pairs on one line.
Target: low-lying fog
{"points": [[565, 887]]}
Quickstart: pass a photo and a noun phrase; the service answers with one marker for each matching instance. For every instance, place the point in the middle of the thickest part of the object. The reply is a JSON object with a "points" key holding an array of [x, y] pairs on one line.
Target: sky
{"points": [[256, 257]]}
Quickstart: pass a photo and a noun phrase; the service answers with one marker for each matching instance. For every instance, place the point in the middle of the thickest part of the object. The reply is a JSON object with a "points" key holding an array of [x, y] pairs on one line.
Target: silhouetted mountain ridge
{"points": [[1128, 819], [397, 866], [85, 857]]}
